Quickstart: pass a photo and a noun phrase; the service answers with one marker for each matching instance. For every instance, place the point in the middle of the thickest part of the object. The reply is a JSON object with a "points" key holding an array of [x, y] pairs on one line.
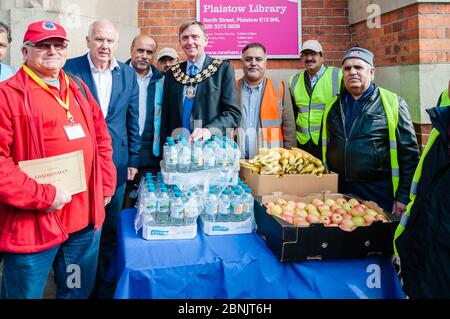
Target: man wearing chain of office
{"points": [[199, 97]]}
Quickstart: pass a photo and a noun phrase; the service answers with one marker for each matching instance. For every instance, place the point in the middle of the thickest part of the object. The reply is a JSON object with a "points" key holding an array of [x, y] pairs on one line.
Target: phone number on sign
{"points": [[222, 26]]}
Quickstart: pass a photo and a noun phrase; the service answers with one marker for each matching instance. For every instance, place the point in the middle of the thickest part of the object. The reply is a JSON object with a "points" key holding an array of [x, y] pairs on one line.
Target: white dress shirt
{"points": [[143, 85], [103, 83]]}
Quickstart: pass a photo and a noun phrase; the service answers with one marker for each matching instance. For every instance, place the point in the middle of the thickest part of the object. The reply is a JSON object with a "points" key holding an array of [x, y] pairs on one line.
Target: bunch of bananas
{"points": [[280, 161]]}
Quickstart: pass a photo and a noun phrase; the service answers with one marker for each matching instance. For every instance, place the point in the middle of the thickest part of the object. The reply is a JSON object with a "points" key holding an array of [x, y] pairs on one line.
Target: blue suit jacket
{"points": [[123, 112]]}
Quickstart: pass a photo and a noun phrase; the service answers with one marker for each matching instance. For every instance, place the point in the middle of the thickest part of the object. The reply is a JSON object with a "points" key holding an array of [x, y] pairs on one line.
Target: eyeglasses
{"points": [[59, 46]]}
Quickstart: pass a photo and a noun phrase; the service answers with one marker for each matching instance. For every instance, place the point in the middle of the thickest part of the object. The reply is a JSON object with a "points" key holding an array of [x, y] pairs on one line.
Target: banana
{"points": [[308, 169]]}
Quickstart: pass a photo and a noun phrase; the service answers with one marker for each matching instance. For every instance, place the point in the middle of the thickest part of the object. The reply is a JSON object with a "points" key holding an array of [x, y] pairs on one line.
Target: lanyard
{"points": [[44, 85]]}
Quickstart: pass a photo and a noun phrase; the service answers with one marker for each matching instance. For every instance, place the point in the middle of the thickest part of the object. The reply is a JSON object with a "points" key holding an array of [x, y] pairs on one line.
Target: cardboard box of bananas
{"points": [[280, 161]]}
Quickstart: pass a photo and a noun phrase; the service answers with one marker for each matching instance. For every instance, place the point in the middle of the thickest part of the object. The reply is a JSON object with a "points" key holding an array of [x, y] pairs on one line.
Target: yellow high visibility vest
{"points": [[445, 100], [310, 109], [390, 105]]}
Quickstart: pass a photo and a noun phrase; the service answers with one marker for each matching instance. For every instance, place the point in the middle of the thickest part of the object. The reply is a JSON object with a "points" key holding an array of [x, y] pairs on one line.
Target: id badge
{"points": [[74, 131]]}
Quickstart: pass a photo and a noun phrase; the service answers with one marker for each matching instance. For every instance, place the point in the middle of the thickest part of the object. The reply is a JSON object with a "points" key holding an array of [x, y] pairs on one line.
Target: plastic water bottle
{"points": [[248, 203], [197, 161], [209, 155], [184, 158], [224, 207], [236, 205], [211, 206], [171, 156], [151, 201], [237, 157], [163, 207], [221, 159], [192, 209], [176, 210], [214, 142]]}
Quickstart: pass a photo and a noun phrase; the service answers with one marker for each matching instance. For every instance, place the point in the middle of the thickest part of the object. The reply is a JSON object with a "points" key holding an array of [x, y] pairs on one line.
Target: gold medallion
{"points": [[190, 92]]}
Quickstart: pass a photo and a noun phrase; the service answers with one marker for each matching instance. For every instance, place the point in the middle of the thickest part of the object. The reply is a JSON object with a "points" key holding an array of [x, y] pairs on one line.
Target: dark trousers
{"points": [[104, 287]]}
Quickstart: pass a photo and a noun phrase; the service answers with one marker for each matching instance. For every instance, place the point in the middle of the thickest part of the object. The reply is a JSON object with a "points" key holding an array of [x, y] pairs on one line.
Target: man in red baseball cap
{"points": [[46, 113], [43, 30]]}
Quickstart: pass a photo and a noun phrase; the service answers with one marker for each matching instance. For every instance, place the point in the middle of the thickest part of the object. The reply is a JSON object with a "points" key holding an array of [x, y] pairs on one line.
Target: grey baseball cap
{"points": [[358, 53], [167, 52]]}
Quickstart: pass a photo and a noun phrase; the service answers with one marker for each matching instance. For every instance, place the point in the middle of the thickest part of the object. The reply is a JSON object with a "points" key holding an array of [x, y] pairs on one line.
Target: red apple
{"points": [[336, 218], [371, 212], [347, 225], [334, 207], [358, 221], [281, 202], [316, 202], [326, 213], [347, 216], [357, 210], [288, 219], [276, 210], [310, 207], [347, 207], [297, 220], [300, 212], [340, 201], [340, 211], [312, 219], [325, 220], [332, 225], [353, 202], [330, 202], [369, 218], [300, 205], [323, 208]]}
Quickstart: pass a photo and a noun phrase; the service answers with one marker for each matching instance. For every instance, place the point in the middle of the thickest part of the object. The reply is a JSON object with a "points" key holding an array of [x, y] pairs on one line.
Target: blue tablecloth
{"points": [[238, 266]]}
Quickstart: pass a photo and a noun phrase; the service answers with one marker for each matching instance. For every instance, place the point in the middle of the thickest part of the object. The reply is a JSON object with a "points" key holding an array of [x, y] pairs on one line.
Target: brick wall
{"points": [[416, 34], [419, 33], [326, 21]]}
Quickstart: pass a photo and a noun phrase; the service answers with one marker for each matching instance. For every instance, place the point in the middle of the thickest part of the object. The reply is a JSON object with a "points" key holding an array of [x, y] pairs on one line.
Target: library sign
{"points": [[232, 24]]}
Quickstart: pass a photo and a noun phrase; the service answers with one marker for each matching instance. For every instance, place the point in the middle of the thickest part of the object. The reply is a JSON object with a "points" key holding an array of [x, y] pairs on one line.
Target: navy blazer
{"points": [[123, 112]]}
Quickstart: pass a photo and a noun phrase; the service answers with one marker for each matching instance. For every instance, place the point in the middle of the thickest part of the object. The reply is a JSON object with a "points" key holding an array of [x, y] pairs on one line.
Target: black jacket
{"points": [[214, 103], [363, 156], [148, 159], [424, 246]]}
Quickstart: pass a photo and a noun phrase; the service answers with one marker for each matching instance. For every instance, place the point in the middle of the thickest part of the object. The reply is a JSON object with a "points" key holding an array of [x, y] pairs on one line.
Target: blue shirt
{"points": [[314, 78], [187, 106], [352, 108], [251, 105]]}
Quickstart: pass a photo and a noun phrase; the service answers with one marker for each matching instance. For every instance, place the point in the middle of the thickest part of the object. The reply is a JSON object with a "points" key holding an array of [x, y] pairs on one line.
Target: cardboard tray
{"points": [[289, 184], [291, 243]]}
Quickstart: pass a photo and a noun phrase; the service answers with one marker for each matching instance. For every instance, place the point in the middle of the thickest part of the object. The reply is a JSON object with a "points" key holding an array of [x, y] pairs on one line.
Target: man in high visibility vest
{"points": [[368, 137], [265, 121], [310, 91], [422, 238], [444, 99]]}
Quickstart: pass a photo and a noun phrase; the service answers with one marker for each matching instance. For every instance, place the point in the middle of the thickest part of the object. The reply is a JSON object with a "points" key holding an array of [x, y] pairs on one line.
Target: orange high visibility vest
{"points": [[271, 113]]}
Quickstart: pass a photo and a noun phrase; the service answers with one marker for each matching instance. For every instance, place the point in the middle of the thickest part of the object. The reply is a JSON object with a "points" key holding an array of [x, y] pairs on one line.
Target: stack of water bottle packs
{"points": [[206, 186], [215, 162]]}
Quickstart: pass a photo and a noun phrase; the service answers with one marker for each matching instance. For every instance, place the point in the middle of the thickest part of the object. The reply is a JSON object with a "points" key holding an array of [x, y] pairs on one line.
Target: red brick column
{"points": [[416, 34]]}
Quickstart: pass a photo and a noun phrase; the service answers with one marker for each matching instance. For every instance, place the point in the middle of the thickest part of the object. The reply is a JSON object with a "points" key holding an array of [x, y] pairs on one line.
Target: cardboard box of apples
{"points": [[323, 226]]}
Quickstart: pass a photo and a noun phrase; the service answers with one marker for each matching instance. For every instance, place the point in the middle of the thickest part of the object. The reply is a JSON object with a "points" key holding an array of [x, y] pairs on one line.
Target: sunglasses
{"points": [[59, 46]]}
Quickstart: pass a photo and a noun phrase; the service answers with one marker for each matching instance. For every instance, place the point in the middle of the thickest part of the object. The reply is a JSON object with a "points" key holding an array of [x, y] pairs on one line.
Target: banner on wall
{"points": [[232, 24]]}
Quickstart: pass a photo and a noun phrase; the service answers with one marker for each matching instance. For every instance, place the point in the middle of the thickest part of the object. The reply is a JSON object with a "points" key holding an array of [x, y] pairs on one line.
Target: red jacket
{"points": [[25, 227]]}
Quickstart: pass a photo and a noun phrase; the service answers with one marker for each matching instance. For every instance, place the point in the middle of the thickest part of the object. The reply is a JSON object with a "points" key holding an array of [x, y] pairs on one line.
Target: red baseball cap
{"points": [[41, 30]]}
